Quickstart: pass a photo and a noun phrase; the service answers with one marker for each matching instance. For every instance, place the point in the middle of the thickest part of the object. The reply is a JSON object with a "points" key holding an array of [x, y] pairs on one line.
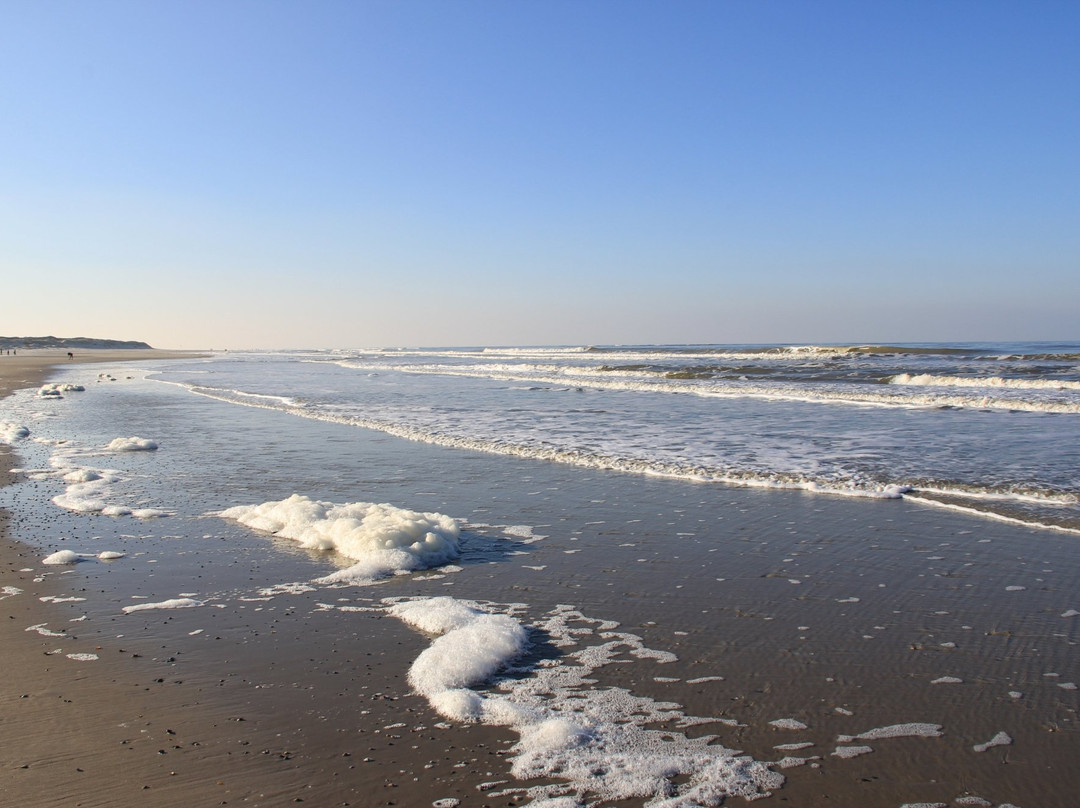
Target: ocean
{"points": [[991, 428], [668, 574]]}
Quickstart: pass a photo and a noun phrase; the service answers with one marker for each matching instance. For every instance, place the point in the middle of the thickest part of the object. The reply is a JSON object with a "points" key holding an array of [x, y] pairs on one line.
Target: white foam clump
{"points": [[148, 513], [9, 433], [382, 538], [57, 390], [473, 645], [787, 723], [81, 475], [848, 752], [86, 489], [588, 739], [62, 557], [174, 603], [895, 731], [134, 444], [1001, 739], [110, 555]]}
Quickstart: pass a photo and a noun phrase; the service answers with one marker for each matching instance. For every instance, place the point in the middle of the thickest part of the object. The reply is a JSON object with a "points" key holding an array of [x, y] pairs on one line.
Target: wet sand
{"points": [[844, 615], [142, 726]]}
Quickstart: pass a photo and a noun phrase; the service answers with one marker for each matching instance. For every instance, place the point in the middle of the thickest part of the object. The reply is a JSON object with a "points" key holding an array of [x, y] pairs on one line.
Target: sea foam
{"points": [[473, 645], [382, 539], [134, 444], [173, 603], [585, 739], [9, 433], [62, 557]]}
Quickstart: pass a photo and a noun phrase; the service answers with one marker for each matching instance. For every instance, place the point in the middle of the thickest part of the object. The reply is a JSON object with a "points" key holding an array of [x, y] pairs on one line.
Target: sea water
{"points": [[197, 463], [993, 428]]}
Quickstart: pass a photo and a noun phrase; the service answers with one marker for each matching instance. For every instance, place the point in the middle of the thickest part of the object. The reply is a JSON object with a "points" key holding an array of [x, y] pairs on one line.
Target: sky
{"points": [[267, 174]]}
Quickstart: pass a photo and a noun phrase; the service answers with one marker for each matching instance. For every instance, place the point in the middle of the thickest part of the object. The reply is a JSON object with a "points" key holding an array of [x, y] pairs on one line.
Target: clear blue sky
{"points": [[286, 174]]}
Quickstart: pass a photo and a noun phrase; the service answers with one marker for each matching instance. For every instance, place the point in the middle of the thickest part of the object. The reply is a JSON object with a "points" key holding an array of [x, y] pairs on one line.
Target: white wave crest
{"points": [[930, 380]]}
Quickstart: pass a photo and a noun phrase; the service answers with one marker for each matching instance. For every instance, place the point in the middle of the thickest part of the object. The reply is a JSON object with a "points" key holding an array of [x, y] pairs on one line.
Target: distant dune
{"points": [[86, 343]]}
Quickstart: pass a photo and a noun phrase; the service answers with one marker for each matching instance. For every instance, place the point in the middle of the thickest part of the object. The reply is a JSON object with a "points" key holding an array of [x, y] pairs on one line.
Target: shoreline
{"points": [[141, 725], [124, 729], [804, 603]]}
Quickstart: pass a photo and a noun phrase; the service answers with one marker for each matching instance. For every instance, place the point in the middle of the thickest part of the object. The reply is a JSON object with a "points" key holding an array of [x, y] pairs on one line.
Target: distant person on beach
{"points": [[71, 355]]}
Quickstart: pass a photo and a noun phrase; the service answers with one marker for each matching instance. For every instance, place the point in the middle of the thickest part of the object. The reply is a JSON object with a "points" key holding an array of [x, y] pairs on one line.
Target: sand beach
{"points": [[873, 653]]}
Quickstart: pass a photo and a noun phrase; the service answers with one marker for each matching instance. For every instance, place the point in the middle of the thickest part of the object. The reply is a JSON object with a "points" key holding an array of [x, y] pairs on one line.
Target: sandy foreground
{"points": [[846, 613], [137, 727], [128, 731]]}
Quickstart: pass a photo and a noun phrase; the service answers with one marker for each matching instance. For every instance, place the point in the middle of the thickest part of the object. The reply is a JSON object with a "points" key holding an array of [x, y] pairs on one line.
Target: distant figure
{"points": [[71, 355]]}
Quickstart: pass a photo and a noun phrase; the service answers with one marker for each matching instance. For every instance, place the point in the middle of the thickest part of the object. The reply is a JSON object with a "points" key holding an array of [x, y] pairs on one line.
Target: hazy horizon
{"points": [[271, 175]]}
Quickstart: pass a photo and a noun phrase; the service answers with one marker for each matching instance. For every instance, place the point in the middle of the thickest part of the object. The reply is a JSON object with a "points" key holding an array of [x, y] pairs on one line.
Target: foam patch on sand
{"points": [[1001, 739], [134, 444], [586, 739], [472, 647], [174, 603], [848, 752], [382, 539], [89, 489], [58, 390], [895, 731], [45, 632], [9, 433], [62, 557]]}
